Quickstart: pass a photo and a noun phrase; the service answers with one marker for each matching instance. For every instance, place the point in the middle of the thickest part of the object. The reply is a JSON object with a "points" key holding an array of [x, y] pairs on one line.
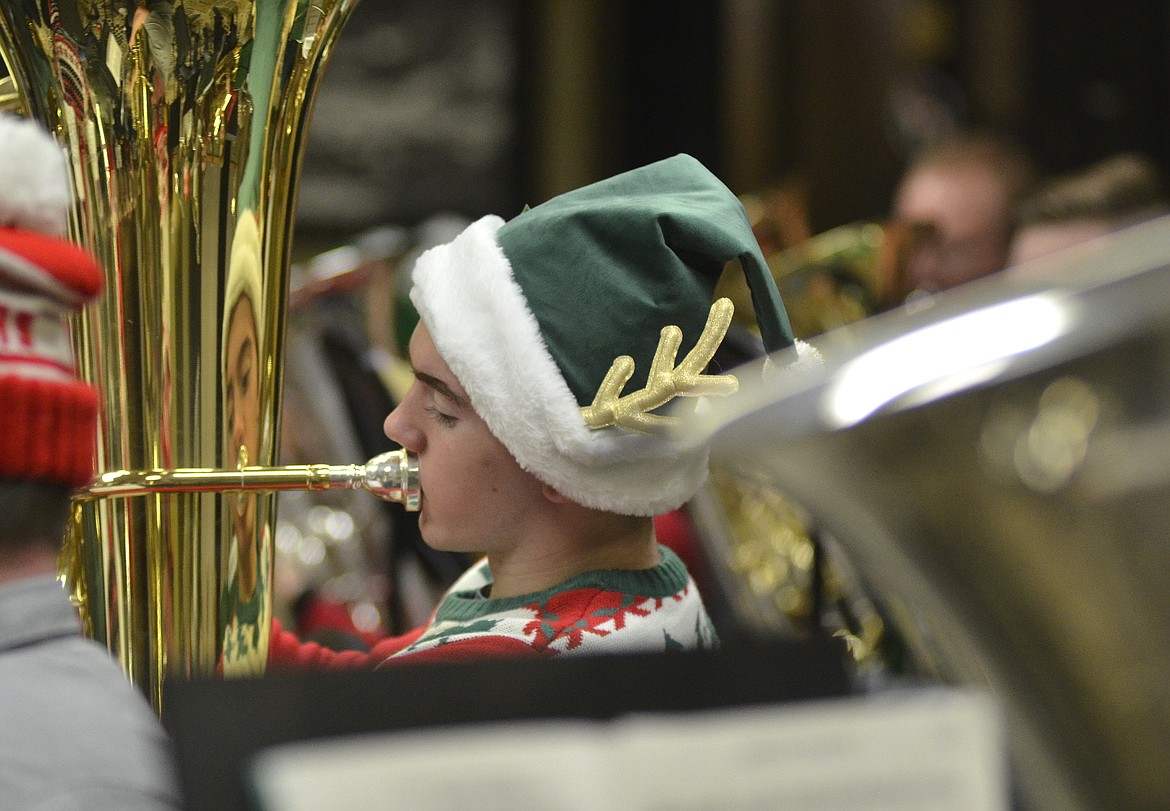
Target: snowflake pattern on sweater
{"points": [[609, 611]]}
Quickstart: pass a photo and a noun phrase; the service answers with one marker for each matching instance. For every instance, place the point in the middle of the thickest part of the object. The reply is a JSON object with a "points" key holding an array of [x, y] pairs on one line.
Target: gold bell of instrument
{"points": [[834, 278], [184, 124]]}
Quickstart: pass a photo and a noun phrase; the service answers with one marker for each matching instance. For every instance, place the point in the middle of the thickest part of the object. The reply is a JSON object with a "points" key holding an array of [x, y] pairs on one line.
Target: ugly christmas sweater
{"points": [[610, 611]]}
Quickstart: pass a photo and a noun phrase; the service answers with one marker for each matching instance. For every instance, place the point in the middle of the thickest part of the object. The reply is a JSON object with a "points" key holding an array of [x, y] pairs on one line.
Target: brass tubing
{"points": [[206, 480], [392, 476]]}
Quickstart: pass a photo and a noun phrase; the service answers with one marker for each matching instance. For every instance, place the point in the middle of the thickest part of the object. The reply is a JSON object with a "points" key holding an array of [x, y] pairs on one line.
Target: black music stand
{"points": [[220, 726]]}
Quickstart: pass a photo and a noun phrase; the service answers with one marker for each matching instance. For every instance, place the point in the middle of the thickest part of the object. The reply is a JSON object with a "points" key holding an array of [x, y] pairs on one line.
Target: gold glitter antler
{"points": [[665, 381]]}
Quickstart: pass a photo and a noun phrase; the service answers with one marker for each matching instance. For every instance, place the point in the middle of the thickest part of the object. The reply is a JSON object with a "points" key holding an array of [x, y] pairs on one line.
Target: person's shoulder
{"points": [[100, 794], [69, 706]]}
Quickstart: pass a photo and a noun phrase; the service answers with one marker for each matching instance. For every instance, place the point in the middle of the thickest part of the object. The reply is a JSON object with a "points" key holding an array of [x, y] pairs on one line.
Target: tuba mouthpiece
{"points": [[393, 476]]}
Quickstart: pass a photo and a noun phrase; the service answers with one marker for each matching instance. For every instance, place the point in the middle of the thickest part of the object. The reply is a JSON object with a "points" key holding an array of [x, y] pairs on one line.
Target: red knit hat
{"points": [[48, 417]]}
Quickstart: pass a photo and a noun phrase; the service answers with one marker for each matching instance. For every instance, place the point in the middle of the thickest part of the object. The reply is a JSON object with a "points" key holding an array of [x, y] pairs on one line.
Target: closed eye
{"points": [[446, 420]]}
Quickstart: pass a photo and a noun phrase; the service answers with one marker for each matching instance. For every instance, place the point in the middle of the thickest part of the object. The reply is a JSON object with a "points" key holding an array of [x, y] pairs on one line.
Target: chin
{"points": [[435, 540], [429, 535], [444, 542]]}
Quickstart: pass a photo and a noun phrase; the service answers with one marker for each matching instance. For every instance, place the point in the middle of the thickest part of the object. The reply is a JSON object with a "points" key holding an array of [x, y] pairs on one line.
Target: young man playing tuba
{"points": [[547, 348]]}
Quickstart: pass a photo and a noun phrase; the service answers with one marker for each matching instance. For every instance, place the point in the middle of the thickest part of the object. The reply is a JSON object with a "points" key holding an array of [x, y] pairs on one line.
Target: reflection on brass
{"points": [[10, 101], [797, 581], [770, 546], [184, 124], [783, 575], [1041, 445]]}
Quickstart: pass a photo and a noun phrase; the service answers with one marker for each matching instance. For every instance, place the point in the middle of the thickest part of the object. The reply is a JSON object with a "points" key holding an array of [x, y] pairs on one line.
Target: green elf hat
{"points": [[532, 314]]}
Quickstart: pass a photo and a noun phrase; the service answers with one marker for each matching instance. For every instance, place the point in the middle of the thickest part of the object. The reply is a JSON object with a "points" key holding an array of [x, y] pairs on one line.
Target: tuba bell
{"points": [[184, 124], [992, 466]]}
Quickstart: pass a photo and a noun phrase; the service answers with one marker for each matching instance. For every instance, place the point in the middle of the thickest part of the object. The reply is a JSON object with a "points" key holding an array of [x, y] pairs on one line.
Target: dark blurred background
{"points": [[477, 106]]}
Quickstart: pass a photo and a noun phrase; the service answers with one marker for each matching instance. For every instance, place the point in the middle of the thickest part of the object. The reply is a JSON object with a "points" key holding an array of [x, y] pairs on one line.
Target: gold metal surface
{"points": [[392, 476], [184, 125], [783, 573], [832, 279]]}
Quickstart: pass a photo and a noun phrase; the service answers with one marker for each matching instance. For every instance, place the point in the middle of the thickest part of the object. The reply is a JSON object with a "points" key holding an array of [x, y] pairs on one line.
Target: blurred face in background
{"points": [[965, 215]]}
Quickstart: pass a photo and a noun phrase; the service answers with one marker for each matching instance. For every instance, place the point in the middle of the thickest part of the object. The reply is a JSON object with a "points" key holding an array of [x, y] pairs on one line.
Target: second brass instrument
{"points": [[993, 465]]}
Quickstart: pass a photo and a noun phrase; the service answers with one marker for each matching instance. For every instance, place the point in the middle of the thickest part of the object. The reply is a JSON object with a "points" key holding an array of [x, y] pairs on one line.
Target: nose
{"points": [[923, 267], [237, 421], [400, 428]]}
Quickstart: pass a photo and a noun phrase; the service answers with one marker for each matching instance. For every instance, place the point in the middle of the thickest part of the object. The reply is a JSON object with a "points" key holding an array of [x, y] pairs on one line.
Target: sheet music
{"points": [[926, 749]]}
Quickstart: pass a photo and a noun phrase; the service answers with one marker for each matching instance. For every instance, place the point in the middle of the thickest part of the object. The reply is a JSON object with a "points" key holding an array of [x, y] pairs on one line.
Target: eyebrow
{"points": [[441, 388]]}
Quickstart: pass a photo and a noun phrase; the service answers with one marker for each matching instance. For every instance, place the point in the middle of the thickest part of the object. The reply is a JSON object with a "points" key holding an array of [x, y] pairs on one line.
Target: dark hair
{"points": [[33, 512], [1120, 190]]}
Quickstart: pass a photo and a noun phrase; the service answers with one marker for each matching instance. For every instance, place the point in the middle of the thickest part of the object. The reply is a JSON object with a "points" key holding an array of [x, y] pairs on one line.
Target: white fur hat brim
{"points": [[482, 326]]}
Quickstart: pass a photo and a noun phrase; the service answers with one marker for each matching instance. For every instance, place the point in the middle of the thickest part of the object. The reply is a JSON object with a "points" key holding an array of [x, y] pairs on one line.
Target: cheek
{"points": [[501, 478], [479, 471], [475, 470]]}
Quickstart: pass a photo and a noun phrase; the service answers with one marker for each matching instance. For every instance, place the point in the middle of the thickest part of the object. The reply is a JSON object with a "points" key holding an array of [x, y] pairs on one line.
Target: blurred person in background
{"points": [[960, 195], [1076, 207]]}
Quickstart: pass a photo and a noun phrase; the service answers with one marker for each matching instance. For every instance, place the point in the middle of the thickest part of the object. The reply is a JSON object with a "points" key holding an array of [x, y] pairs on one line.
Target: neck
{"points": [[31, 560], [587, 540]]}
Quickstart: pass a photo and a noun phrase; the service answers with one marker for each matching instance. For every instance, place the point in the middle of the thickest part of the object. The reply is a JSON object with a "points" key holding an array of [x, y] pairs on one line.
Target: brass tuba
{"points": [[184, 123], [992, 464]]}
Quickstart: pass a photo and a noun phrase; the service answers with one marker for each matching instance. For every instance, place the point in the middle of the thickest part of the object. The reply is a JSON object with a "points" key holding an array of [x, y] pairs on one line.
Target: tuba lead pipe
{"points": [[391, 476]]}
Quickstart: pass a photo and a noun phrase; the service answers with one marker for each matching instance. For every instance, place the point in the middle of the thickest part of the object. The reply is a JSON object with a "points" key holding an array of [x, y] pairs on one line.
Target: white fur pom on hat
{"points": [[47, 415], [34, 183]]}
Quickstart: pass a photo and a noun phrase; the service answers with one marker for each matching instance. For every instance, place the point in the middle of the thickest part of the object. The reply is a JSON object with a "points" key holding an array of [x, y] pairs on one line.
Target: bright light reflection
{"points": [[926, 357]]}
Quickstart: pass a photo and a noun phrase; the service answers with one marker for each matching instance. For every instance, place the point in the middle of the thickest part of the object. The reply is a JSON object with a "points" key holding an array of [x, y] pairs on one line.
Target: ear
{"points": [[553, 495]]}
